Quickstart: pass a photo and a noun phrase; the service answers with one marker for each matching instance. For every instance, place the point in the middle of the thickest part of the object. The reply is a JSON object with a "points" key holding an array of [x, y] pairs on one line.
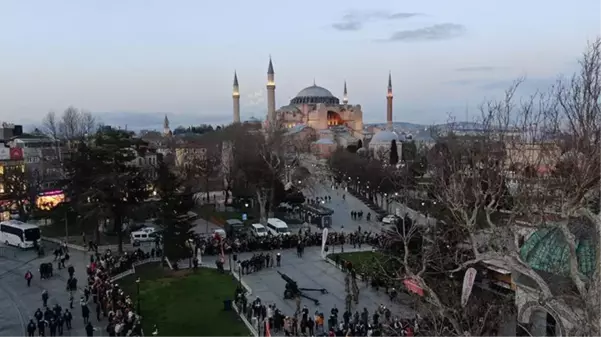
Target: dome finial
{"points": [[314, 82]]}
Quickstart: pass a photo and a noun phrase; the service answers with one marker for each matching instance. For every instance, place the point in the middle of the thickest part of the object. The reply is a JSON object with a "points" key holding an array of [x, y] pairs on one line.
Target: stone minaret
{"points": [[236, 98], [270, 93], [345, 95], [389, 103], [166, 130]]}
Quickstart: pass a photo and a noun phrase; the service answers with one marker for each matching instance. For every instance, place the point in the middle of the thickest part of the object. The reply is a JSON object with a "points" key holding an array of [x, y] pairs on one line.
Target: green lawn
{"points": [[185, 303], [362, 261]]}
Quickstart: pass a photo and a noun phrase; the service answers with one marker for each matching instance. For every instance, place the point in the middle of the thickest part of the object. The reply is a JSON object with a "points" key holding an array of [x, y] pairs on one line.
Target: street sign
{"points": [[244, 217]]}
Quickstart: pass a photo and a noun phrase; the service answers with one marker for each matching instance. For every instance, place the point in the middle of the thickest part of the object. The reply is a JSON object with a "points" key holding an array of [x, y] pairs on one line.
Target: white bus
{"points": [[19, 234]]}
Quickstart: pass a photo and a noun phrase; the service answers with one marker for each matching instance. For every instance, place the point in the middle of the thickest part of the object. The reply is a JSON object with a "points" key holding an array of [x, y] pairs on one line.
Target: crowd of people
{"points": [[379, 323], [100, 296], [212, 245]]}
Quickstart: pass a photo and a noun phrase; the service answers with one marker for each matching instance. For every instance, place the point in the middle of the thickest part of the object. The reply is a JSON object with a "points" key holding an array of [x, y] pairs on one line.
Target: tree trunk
{"points": [[118, 227], [262, 200]]}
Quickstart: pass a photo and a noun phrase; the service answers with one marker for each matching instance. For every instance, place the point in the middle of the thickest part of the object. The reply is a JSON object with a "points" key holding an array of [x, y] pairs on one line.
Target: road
{"points": [[341, 219], [18, 302]]}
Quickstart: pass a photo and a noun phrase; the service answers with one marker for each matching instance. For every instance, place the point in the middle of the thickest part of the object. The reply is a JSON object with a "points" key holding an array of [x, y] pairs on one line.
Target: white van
{"points": [[277, 227], [140, 236], [258, 230]]}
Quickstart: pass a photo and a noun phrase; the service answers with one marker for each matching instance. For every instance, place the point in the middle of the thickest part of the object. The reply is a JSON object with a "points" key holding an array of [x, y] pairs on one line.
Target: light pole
{"points": [[138, 295]]}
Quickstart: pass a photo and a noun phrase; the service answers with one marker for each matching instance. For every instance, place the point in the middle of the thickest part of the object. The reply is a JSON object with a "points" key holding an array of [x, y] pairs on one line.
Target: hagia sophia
{"points": [[335, 123]]}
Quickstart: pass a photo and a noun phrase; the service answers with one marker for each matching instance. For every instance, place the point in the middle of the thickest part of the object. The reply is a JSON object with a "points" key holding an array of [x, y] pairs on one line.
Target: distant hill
{"points": [[423, 132]]}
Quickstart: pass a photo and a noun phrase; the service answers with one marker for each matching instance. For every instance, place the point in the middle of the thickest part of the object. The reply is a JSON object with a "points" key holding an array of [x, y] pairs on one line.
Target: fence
{"points": [[133, 268]]}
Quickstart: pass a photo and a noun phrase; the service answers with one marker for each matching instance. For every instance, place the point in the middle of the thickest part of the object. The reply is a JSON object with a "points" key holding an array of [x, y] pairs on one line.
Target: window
{"points": [[12, 230], [32, 234]]}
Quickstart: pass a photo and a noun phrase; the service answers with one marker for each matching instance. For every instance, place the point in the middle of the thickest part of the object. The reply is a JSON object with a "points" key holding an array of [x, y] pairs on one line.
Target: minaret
{"points": [[345, 95], [236, 99], [389, 104], [166, 130], [270, 93]]}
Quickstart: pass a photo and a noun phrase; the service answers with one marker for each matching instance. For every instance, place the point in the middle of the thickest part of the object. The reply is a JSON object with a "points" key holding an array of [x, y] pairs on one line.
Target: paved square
{"points": [[312, 271]]}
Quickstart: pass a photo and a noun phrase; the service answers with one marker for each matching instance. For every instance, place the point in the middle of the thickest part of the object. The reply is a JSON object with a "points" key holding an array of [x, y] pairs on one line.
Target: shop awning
{"points": [[497, 266]]}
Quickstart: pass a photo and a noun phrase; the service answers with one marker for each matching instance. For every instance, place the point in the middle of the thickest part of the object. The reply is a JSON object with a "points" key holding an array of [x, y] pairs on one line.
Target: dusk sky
{"points": [[132, 61]]}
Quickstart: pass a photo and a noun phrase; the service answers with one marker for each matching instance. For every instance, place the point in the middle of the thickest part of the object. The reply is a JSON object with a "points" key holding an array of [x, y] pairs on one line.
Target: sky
{"points": [[133, 61]]}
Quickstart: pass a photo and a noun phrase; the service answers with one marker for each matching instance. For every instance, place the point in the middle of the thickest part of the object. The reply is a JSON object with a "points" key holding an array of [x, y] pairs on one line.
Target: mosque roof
{"points": [[384, 136], [547, 250], [327, 141], [313, 95]]}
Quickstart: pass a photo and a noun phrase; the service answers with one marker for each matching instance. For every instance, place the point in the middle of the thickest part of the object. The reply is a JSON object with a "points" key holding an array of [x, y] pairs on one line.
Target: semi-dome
{"points": [[313, 95], [547, 250], [384, 136]]}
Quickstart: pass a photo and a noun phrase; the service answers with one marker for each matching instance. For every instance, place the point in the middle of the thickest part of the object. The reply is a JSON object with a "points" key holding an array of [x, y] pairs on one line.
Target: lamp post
{"points": [[138, 295]]}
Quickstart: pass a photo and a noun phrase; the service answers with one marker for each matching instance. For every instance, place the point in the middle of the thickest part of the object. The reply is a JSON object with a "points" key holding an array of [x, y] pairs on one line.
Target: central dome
{"points": [[313, 95]]}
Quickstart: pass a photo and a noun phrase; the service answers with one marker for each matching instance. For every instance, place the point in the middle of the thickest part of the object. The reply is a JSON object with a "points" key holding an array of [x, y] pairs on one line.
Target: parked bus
{"points": [[19, 234]]}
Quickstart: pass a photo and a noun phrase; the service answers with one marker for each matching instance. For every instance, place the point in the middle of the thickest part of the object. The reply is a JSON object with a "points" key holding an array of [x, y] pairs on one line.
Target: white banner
{"points": [[468, 284], [324, 240]]}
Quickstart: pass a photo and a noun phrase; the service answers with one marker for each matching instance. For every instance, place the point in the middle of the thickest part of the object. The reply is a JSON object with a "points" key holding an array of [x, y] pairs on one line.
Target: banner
{"points": [[324, 240], [4, 153], [468, 284], [413, 287]]}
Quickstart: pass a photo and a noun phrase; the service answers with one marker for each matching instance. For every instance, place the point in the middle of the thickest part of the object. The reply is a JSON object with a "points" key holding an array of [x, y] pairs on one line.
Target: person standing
{"points": [[90, 329], [31, 328]]}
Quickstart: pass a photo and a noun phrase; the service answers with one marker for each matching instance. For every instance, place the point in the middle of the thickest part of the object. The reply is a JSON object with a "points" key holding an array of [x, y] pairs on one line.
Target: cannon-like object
{"points": [[293, 290]]}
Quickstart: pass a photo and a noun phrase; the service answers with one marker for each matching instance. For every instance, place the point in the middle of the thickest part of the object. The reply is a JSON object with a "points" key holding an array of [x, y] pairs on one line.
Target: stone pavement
{"points": [[312, 271], [18, 302]]}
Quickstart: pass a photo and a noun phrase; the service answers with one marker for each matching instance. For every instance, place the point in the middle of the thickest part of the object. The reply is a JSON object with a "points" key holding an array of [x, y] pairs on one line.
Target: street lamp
{"points": [[138, 295]]}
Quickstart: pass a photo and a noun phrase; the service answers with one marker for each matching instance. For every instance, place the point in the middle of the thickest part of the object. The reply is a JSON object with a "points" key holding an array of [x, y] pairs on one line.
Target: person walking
{"points": [[45, 297], [28, 277]]}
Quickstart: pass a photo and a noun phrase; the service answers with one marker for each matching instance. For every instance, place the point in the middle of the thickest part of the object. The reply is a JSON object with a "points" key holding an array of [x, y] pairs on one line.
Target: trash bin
{"points": [[227, 305]]}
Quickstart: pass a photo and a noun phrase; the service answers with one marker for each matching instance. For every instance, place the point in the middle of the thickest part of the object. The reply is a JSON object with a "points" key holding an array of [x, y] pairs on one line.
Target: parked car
{"points": [[258, 230], [390, 219]]}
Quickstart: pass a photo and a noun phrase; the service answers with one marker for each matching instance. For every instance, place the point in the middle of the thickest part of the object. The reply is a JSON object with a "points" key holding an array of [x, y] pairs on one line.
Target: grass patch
{"points": [[363, 262], [185, 303]]}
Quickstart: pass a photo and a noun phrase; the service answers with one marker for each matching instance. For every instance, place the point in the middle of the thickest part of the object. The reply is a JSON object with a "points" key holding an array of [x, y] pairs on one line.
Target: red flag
{"points": [[267, 329]]}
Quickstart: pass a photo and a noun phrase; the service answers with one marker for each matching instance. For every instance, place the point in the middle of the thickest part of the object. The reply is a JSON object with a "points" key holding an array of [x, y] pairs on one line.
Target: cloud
{"points": [[442, 31], [356, 20], [255, 98], [477, 69], [462, 82]]}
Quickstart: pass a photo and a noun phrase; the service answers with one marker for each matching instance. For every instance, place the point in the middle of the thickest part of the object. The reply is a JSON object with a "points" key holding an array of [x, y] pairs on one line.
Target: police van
{"points": [[277, 227]]}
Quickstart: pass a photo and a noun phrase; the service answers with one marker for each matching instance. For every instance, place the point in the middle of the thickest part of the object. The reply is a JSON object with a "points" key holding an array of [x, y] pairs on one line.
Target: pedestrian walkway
{"points": [[18, 302], [341, 219]]}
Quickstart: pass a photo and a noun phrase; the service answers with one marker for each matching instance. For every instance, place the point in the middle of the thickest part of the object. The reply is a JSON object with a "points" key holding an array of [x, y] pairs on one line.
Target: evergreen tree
{"points": [[172, 210], [394, 154], [409, 151], [104, 183]]}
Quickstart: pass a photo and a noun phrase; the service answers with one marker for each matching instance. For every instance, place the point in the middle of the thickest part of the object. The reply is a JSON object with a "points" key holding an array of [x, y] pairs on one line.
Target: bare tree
{"points": [[482, 182], [51, 126], [72, 123]]}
